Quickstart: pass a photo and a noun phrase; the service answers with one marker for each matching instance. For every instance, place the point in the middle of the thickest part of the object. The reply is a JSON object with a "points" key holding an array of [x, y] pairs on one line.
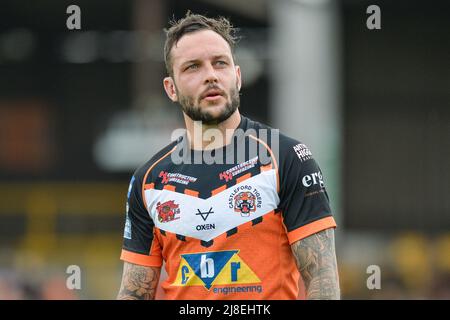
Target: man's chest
{"points": [[205, 201]]}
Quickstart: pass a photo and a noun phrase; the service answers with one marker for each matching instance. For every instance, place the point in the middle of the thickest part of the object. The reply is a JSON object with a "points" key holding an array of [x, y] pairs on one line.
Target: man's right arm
{"points": [[138, 282]]}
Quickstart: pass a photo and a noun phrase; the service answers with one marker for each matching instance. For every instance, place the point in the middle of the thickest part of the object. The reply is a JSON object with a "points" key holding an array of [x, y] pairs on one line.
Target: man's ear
{"points": [[171, 91], [238, 78]]}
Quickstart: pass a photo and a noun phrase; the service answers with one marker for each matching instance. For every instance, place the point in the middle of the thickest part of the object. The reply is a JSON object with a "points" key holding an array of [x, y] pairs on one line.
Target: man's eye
{"points": [[221, 63], [193, 66]]}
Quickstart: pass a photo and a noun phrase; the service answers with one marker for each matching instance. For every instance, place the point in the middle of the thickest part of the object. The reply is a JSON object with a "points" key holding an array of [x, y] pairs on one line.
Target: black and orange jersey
{"points": [[224, 228]]}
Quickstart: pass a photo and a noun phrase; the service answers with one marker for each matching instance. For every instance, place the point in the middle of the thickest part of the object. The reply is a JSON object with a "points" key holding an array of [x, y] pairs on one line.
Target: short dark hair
{"points": [[192, 23]]}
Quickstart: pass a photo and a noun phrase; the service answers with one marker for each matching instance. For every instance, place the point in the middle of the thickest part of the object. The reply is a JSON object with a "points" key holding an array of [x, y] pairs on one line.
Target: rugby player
{"points": [[242, 215]]}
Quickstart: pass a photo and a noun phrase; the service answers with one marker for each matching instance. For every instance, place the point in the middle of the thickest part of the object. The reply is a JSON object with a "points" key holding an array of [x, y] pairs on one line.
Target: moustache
{"points": [[212, 90]]}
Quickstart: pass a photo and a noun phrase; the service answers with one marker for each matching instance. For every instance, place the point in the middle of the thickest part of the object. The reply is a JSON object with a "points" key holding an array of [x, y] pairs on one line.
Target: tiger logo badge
{"points": [[244, 202]]}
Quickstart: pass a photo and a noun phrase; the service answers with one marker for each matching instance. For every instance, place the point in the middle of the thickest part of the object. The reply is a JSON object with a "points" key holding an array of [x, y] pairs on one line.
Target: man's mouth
{"points": [[212, 94]]}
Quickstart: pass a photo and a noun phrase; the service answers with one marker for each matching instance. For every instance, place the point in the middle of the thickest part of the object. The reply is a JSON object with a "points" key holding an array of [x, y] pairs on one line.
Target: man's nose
{"points": [[211, 75]]}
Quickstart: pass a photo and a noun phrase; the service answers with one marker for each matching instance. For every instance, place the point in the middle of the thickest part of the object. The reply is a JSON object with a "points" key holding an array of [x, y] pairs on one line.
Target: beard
{"points": [[196, 113]]}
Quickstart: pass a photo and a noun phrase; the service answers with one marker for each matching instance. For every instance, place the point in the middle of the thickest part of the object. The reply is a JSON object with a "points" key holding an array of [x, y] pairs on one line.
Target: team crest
{"points": [[167, 211], [244, 202], [245, 199]]}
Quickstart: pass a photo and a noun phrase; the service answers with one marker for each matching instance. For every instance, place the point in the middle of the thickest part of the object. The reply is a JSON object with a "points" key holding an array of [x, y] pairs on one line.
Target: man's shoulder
{"points": [[275, 138], [158, 156]]}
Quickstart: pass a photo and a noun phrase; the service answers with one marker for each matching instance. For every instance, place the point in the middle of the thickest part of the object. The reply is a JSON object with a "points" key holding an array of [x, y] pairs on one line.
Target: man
{"points": [[241, 229]]}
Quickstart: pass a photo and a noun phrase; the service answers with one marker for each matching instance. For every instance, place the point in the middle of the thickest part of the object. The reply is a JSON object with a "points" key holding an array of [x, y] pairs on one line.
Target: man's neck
{"points": [[214, 136]]}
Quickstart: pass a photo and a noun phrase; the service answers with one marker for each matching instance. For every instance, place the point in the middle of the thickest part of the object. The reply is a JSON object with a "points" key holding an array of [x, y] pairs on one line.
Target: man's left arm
{"points": [[316, 261]]}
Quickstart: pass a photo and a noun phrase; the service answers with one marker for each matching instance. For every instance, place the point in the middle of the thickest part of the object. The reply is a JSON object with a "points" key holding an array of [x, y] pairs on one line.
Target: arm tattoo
{"points": [[316, 260], [138, 282]]}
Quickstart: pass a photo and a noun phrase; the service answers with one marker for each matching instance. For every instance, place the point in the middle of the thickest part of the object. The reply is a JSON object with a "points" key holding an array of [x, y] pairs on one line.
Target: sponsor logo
{"points": [[204, 215], [217, 268], [238, 289], [302, 152], [225, 176], [127, 230], [167, 211], [130, 187], [204, 227], [313, 179], [245, 200], [230, 173], [167, 177], [309, 194]]}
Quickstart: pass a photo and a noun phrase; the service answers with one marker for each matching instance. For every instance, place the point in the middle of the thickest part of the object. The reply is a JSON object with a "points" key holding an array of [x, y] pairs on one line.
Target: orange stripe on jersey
{"points": [[218, 190], [266, 167], [169, 187], [141, 259], [150, 169], [219, 240], [170, 237], [244, 177], [273, 159], [149, 186], [311, 228], [192, 193]]}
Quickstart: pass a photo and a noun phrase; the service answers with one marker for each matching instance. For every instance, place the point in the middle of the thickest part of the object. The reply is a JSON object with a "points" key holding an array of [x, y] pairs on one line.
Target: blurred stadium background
{"points": [[80, 110]]}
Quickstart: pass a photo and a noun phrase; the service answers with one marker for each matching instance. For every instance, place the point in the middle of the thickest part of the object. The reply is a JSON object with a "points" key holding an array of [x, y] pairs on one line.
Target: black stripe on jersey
{"points": [[207, 244], [181, 237], [257, 220], [232, 231]]}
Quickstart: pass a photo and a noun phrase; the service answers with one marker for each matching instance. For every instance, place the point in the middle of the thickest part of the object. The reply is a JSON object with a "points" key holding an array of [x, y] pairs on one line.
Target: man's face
{"points": [[205, 81]]}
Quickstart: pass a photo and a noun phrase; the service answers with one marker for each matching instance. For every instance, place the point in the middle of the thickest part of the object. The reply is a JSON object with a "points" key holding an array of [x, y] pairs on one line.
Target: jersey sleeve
{"points": [[140, 246], [304, 202]]}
